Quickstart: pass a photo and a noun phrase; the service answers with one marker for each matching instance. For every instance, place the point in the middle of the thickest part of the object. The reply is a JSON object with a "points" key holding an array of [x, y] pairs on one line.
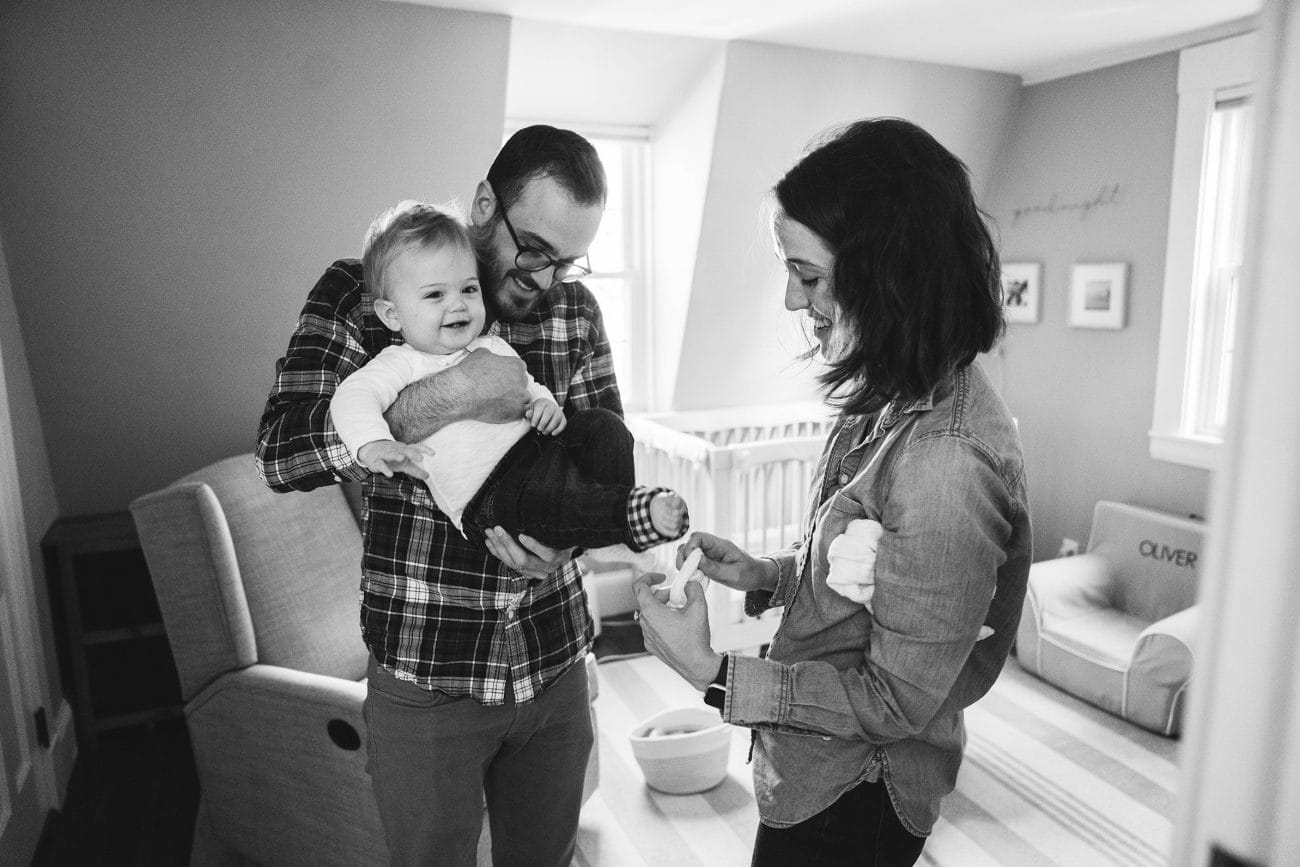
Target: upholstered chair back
{"points": [[1155, 558], [246, 575]]}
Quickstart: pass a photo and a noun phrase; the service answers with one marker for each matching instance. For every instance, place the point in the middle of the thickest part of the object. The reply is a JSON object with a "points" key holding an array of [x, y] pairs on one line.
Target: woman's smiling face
{"points": [[808, 264]]}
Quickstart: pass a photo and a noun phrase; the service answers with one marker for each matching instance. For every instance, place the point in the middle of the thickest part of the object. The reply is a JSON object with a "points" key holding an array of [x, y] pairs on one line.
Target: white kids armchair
{"points": [[1116, 626], [258, 593]]}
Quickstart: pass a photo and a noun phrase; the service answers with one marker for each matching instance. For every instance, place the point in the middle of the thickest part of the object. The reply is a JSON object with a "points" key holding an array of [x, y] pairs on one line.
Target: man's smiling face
{"points": [[545, 218]]}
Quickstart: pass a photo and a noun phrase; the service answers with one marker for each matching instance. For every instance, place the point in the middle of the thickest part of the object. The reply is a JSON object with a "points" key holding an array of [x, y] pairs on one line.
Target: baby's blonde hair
{"points": [[405, 225]]}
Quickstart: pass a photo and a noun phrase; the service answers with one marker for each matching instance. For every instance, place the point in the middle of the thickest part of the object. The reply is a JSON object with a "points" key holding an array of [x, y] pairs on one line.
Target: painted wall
{"points": [[35, 480], [1084, 397], [175, 178], [583, 75], [774, 100], [683, 161]]}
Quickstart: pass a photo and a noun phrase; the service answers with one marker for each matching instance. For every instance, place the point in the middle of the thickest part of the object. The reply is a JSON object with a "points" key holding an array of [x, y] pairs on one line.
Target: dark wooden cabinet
{"points": [[114, 661]]}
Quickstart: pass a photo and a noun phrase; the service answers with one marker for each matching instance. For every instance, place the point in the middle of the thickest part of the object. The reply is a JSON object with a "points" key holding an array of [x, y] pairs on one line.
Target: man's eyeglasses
{"points": [[531, 259]]}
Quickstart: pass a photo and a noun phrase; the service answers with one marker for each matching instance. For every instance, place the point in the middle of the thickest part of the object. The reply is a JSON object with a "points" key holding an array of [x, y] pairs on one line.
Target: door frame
{"points": [[1241, 778], [28, 654]]}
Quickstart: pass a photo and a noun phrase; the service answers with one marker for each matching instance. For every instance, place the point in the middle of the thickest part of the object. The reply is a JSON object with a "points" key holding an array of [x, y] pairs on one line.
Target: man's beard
{"points": [[505, 301], [508, 300]]}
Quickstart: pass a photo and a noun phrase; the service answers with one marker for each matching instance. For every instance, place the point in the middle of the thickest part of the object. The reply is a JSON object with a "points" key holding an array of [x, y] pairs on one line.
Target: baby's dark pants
{"points": [[565, 491]]}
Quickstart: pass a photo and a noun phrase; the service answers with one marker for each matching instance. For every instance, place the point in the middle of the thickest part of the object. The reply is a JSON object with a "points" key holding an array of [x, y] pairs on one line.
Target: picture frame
{"points": [[1021, 291], [1098, 294]]}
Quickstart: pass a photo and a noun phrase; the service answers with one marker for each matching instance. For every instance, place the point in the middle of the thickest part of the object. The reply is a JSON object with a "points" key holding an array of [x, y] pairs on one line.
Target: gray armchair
{"points": [[258, 593]]}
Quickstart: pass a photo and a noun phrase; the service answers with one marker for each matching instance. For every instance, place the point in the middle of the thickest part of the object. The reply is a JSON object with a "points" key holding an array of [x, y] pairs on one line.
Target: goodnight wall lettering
{"points": [[1105, 197]]}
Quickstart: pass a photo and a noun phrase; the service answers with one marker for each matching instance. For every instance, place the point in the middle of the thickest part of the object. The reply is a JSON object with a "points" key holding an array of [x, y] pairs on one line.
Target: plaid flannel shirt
{"points": [[436, 609]]}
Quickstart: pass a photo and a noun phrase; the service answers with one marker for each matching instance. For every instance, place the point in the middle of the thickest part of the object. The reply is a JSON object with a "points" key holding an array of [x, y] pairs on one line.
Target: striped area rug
{"points": [[1047, 780]]}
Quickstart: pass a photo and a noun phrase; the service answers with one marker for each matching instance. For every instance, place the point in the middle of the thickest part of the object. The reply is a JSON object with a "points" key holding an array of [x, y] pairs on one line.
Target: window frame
{"points": [[1207, 75], [1215, 309]]}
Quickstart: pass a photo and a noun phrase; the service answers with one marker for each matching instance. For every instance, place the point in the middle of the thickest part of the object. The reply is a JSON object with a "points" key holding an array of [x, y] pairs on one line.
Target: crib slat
{"points": [[745, 474]]}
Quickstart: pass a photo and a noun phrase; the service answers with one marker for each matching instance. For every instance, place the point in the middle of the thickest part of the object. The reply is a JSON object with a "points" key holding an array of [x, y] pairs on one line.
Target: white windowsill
{"points": [[1180, 448]]}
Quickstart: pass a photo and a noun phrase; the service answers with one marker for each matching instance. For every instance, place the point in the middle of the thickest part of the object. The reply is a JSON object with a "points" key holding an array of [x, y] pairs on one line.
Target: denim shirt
{"points": [[848, 692]]}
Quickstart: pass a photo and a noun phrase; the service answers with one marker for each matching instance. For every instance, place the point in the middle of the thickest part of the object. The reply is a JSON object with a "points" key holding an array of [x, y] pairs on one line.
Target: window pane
{"points": [[1219, 405], [611, 152], [609, 250], [613, 296], [1220, 243]]}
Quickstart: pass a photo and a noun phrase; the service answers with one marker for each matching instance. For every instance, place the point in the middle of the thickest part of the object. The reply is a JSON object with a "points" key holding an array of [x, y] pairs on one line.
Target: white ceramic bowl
{"points": [[682, 750]]}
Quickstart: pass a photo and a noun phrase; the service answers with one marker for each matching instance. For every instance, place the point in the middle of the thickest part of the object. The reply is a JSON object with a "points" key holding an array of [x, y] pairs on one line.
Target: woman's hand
{"points": [[527, 555], [724, 562], [678, 636]]}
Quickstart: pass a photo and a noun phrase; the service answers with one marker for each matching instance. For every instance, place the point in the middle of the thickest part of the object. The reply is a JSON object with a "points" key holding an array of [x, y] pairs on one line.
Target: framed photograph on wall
{"points": [[1021, 290], [1098, 294]]}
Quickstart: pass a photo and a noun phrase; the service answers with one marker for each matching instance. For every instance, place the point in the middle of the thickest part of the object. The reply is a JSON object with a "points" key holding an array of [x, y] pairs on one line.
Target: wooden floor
{"points": [[132, 800], [1047, 780]]}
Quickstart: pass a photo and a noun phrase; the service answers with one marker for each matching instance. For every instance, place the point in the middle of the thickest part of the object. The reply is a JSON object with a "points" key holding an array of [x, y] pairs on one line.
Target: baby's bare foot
{"points": [[668, 514]]}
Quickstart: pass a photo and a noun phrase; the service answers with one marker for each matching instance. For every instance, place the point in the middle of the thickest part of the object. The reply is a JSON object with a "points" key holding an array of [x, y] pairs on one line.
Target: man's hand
{"points": [[726, 563], [678, 636], [388, 457], [499, 387], [546, 416], [485, 386], [535, 560]]}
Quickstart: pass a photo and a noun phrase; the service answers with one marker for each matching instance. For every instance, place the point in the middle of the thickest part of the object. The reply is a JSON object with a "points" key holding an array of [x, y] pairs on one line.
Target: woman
{"points": [[902, 599]]}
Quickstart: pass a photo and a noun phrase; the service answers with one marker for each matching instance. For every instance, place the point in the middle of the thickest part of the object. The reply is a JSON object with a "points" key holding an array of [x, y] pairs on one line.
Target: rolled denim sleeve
{"points": [[804, 698], [758, 601], [787, 565], [947, 518]]}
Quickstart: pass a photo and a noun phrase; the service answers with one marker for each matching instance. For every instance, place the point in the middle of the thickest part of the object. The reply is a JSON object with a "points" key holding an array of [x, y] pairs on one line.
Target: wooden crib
{"points": [[745, 473]]}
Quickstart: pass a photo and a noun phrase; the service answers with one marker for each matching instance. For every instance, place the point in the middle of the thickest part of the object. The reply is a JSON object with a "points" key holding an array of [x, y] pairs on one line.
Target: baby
{"points": [[567, 482]]}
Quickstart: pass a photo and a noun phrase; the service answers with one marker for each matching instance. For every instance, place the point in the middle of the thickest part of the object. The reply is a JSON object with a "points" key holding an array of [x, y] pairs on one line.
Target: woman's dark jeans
{"points": [[861, 829], [565, 491]]}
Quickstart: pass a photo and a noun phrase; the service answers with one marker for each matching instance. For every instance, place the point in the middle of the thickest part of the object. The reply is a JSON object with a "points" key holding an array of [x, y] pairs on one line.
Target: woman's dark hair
{"points": [[544, 151], [916, 276]]}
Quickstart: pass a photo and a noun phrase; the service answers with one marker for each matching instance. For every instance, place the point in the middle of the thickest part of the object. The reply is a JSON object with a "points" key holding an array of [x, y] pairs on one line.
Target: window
{"points": [[619, 259], [620, 255], [1217, 273], [1207, 217]]}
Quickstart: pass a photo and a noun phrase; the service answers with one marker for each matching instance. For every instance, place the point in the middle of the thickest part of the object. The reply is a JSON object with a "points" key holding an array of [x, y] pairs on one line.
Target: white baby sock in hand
{"points": [[689, 572]]}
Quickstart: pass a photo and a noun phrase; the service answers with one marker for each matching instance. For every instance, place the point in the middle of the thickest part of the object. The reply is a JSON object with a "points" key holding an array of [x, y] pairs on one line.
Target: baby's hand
{"points": [[546, 416], [388, 457]]}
